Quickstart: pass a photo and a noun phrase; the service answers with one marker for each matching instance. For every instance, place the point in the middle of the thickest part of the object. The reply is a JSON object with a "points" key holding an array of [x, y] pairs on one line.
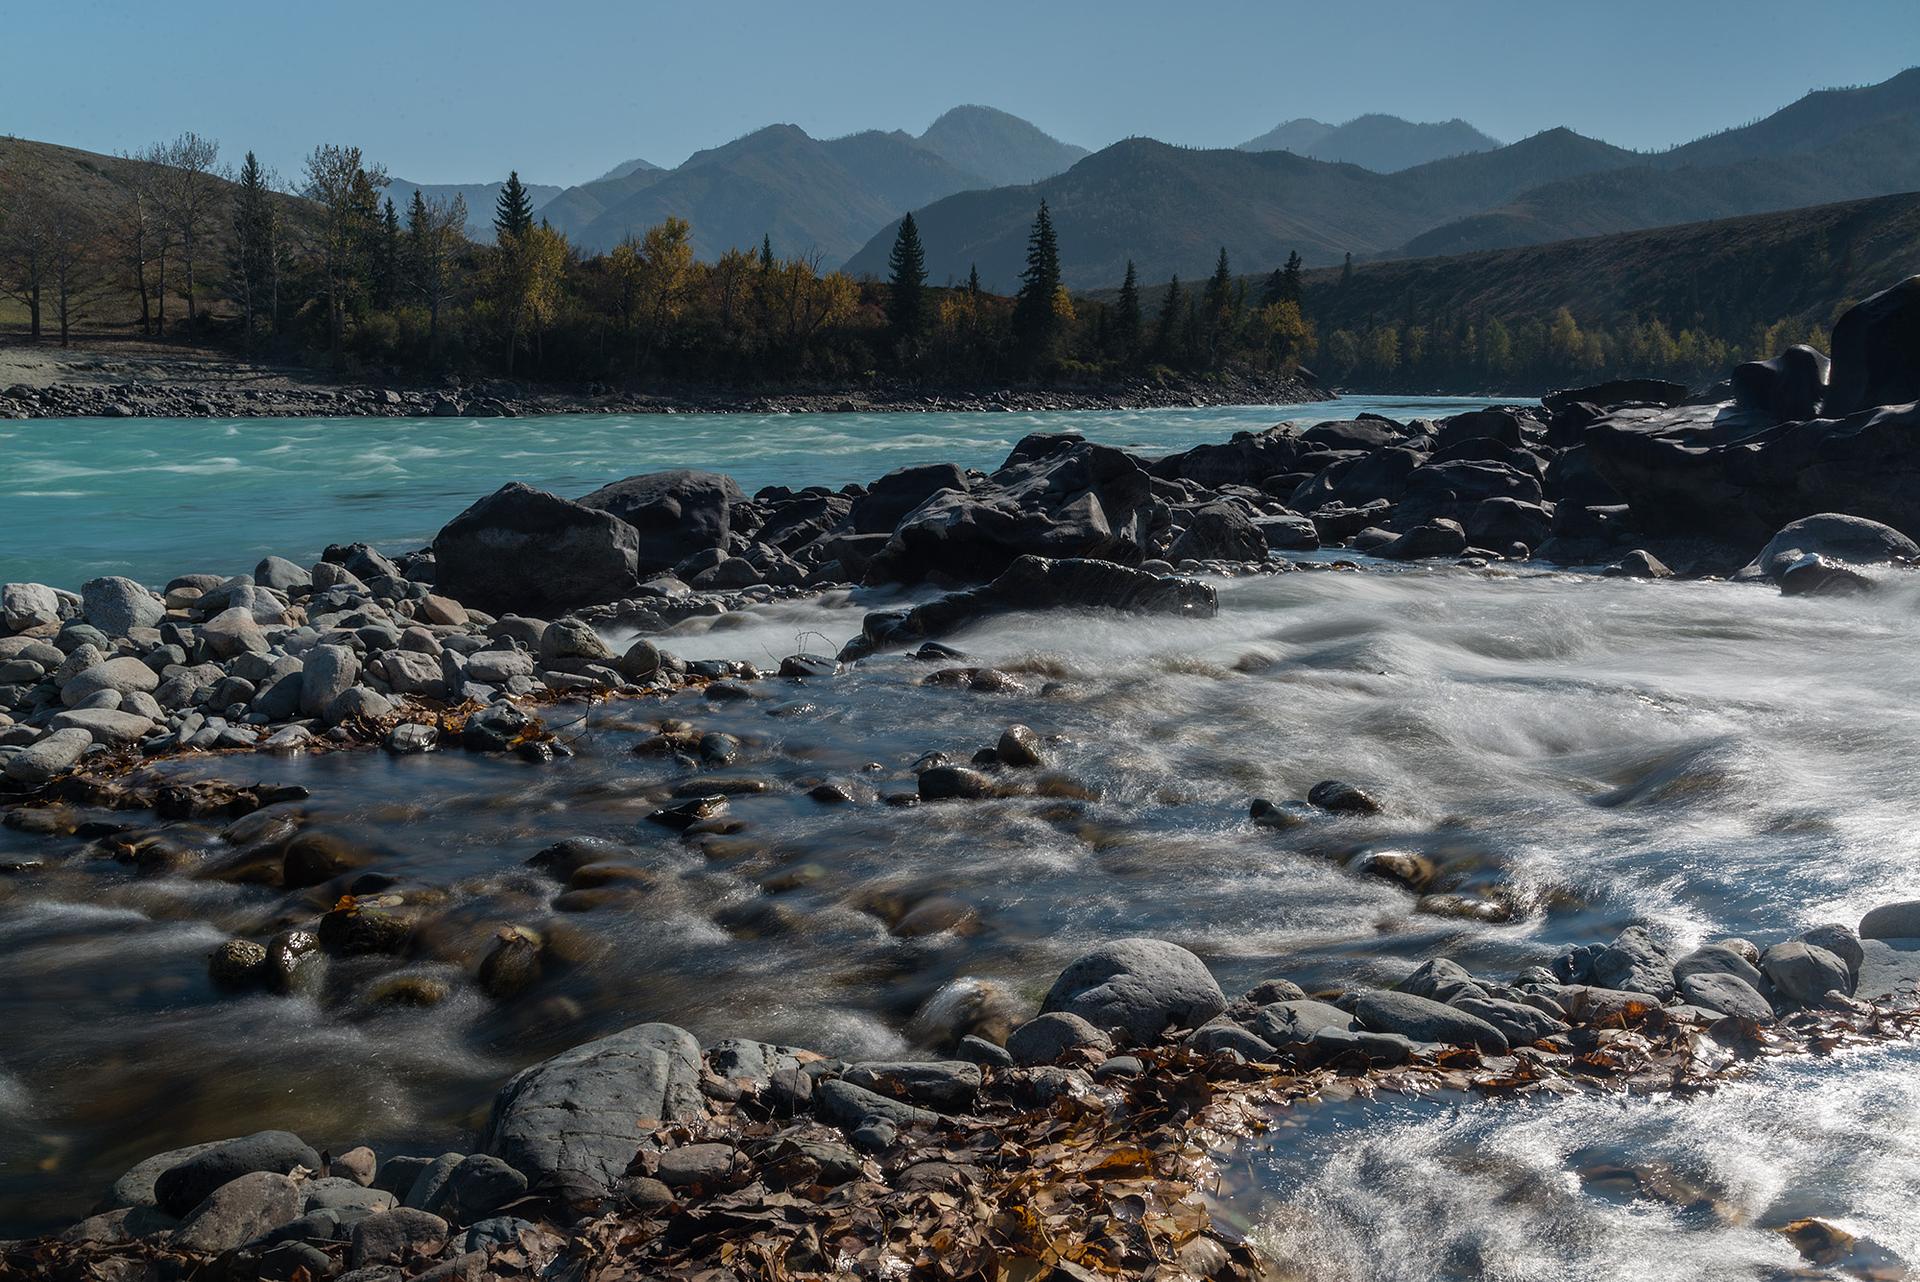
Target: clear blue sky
{"points": [[563, 89]]}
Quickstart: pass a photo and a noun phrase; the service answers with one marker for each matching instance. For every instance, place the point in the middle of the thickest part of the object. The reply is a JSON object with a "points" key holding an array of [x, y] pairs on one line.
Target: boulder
{"points": [[117, 605], [180, 1188], [239, 1211], [1876, 352], [1138, 987], [1083, 501], [28, 605], [949, 1086], [48, 756], [1805, 973], [850, 1106], [1618, 391], [522, 549], [1892, 921], [1220, 532], [330, 671], [674, 514], [396, 1237], [1423, 1020], [1499, 522], [1437, 538], [1636, 962], [900, 491], [1851, 540], [1728, 994], [1045, 1038], [123, 676], [575, 1121], [1790, 386], [1297, 1021]]}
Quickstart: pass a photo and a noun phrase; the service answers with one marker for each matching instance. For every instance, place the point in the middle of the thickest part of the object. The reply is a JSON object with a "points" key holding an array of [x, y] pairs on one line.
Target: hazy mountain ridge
{"points": [[1385, 144]]}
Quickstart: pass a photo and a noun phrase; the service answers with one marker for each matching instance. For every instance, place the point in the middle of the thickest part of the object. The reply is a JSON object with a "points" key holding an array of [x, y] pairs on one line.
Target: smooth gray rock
{"points": [[234, 632], [329, 671], [336, 1193], [1853, 540], [1426, 1021], [1521, 1025], [123, 675], [1838, 940], [1899, 920], [1720, 959], [1222, 1034], [180, 1188], [1805, 973], [576, 1120], [118, 605], [1441, 980], [847, 1105], [523, 549], [1139, 987], [27, 605], [949, 1086], [50, 755], [107, 726], [1045, 1038], [1636, 962], [1294, 1023], [135, 1188], [394, 1237], [281, 574], [239, 1211], [475, 1188], [1727, 993]]}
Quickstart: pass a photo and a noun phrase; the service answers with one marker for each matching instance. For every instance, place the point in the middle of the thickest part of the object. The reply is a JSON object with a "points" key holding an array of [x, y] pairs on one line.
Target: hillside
{"points": [[1802, 262], [1170, 209], [1001, 148], [480, 198], [1384, 144], [627, 167]]}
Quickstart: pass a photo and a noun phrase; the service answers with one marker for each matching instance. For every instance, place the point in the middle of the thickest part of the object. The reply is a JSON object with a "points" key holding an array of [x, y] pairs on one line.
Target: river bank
{"points": [[146, 380]]}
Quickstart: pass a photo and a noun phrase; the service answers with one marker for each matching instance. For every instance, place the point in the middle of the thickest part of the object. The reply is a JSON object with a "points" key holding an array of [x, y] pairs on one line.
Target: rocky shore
{"points": [[1079, 1148], [1068, 1142], [209, 397]]}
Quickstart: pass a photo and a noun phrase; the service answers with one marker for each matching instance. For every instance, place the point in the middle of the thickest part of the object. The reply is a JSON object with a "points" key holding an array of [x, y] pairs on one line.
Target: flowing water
{"points": [[1706, 758], [154, 498]]}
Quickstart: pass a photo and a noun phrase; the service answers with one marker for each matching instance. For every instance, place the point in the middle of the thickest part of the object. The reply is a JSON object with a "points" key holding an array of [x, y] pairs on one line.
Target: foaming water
{"points": [[152, 498], [1705, 758]]}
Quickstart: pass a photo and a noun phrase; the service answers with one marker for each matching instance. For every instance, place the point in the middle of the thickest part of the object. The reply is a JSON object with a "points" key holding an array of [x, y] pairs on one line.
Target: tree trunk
{"points": [[33, 312], [160, 290]]}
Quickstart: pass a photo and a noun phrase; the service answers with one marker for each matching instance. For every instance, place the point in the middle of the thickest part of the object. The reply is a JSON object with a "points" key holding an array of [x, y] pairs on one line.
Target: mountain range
{"points": [[1171, 209], [1384, 144]]}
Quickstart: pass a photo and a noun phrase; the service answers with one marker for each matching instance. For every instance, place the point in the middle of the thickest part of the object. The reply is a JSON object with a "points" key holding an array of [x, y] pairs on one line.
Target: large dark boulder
{"points": [[1734, 474], [1789, 386], [1359, 479], [1138, 988], [1617, 391], [573, 1123], [1502, 425], [1247, 459], [1876, 352], [1220, 532], [180, 1188], [1075, 500], [676, 514], [1849, 539], [902, 490], [1496, 523], [1035, 583], [1368, 432], [1453, 490], [531, 552]]}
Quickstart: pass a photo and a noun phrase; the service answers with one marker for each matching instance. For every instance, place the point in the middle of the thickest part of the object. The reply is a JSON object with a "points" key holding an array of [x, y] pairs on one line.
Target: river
{"points": [[1706, 758]]}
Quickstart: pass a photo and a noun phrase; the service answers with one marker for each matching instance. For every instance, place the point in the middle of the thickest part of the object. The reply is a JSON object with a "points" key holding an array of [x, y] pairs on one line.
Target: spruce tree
{"points": [[252, 251], [1036, 326], [1216, 308], [1346, 271], [1126, 318], [1166, 329], [906, 294], [973, 280], [513, 212], [387, 264], [766, 252], [1283, 286]]}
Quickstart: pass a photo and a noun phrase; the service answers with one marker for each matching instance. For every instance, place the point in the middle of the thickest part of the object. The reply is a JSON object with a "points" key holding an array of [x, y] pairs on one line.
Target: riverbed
{"points": [[1579, 753]]}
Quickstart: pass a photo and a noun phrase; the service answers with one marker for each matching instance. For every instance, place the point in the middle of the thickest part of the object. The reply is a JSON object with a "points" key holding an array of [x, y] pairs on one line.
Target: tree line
{"points": [[336, 268]]}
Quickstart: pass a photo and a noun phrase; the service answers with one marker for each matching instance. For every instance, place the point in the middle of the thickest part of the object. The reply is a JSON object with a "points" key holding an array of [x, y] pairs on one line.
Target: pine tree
{"points": [[766, 252], [1216, 313], [1126, 318], [253, 251], [1293, 278], [513, 212], [1346, 271], [1166, 329], [906, 294], [387, 265], [1283, 286], [1036, 323], [973, 280]]}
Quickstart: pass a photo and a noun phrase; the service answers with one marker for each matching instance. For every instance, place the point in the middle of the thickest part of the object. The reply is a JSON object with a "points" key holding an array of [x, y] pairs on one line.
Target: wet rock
{"points": [[1636, 962], [1426, 1021], [496, 728], [1047, 1037], [237, 1212], [477, 1186], [396, 1237], [1873, 347], [526, 550], [357, 1164], [238, 963], [1219, 532], [1342, 799], [1437, 538], [689, 813], [357, 929], [1788, 386], [572, 639], [1139, 987], [641, 661], [1222, 1034], [1020, 746], [512, 965], [1805, 973], [575, 1121], [954, 783], [182, 1187], [410, 738], [1638, 564], [294, 961], [1521, 1025]]}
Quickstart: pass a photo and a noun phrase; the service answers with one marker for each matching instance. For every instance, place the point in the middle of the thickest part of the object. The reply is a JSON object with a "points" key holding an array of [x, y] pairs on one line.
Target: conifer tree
{"points": [[906, 294], [1346, 271], [1216, 313], [253, 249], [1126, 318], [513, 211], [1166, 329], [1283, 286], [766, 251], [1036, 323], [973, 280]]}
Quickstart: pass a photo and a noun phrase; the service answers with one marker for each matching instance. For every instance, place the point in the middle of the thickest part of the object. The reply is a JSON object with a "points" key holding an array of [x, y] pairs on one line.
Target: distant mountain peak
{"points": [[1002, 148], [1385, 144], [626, 168]]}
